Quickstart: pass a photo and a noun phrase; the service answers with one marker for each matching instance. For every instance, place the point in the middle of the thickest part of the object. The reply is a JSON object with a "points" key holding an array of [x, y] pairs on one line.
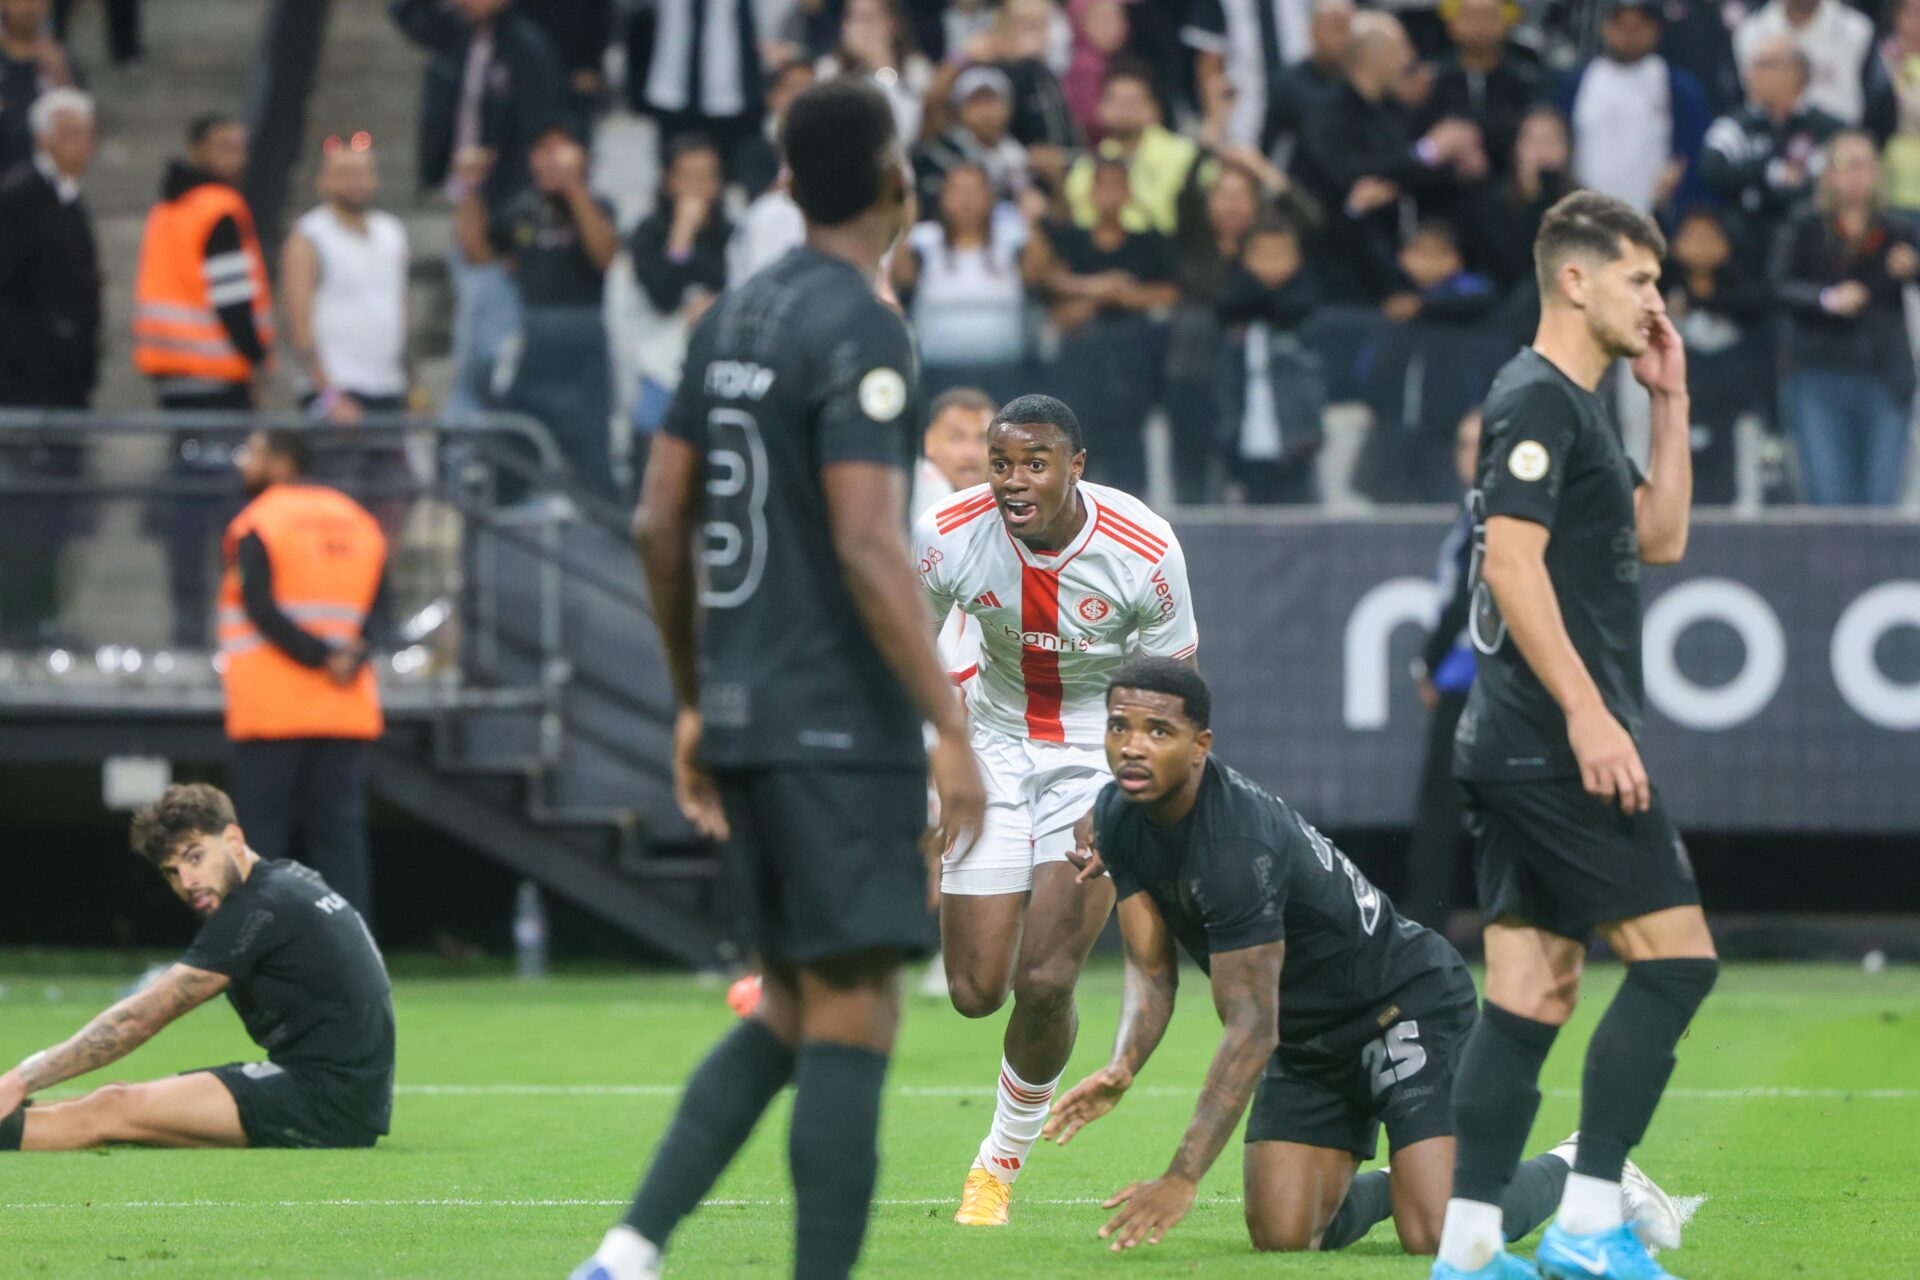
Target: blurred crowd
{"points": [[1220, 215]]}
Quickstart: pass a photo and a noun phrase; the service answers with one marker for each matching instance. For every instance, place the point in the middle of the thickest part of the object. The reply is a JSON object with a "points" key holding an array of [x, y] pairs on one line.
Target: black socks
{"points": [[1495, 1095], [1369, 1200], [834, 1151], [1631, 1056], [724, 1100], [1527, 1202], [13, 1127]]}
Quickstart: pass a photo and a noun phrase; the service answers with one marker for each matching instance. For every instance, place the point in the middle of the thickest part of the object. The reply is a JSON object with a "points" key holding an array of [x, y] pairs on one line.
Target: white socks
{"points": [[1470, 1234], [628, 1255], [1588, 1205], [1019, 1114]]}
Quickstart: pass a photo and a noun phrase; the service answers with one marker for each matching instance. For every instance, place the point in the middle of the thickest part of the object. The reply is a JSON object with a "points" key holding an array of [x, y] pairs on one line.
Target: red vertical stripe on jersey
{"points": [[1040, 668]]}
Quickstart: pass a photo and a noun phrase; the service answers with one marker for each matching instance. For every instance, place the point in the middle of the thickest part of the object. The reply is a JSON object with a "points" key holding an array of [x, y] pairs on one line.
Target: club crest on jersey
{"points": [[1092, 609], [1529, 460]]}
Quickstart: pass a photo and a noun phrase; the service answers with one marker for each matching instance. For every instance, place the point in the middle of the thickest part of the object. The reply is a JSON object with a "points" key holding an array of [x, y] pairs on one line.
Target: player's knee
{"points": [[973, 998], [1048, 986], [1270, 1235], [1418, 1235], [104, 1114]]}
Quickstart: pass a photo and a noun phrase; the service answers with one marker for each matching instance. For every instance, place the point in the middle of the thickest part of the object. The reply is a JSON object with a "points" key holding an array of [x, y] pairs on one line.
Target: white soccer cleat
{"points": [[1647, 1209], [623, 1255]]}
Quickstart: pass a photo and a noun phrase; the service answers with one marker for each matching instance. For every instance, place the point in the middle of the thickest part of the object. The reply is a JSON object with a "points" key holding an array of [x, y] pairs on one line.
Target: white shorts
{"points": [[1036, 792]]}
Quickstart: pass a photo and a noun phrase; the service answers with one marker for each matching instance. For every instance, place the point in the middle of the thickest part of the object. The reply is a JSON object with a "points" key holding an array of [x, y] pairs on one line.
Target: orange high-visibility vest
{"points": [[327, 555], [176, 331]]}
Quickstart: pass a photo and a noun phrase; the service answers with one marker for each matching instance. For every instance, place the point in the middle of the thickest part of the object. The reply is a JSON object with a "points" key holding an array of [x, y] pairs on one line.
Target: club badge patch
{"points": [[1528, 460], [883, 394]]}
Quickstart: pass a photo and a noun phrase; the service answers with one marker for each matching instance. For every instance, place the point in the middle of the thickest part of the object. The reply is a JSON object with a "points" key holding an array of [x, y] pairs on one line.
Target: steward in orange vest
{"points": [[203, 310], [305, 569]]}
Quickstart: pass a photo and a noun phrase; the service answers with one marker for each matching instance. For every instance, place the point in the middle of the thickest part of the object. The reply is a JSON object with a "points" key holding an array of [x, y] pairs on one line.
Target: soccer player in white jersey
{"points": [[1064, 581]]}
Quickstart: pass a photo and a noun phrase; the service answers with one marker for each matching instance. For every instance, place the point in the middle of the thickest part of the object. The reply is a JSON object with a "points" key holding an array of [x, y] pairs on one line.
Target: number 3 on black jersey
{"points": [[1485, 627], [735, 554]]}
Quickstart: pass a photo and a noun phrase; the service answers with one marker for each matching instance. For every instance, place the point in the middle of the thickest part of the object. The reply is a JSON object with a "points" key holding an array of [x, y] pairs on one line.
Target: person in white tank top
{"points": [[344, 279]]}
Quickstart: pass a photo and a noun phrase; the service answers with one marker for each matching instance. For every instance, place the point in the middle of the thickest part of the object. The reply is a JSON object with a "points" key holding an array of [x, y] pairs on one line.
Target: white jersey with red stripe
{"points": [[1053, 628]]}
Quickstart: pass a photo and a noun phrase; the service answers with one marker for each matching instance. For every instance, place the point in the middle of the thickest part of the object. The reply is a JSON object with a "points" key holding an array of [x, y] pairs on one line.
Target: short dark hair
{"points": [[1131, 68], [972, 398], [1588, 222], [200, 126], [1103, 164], [1169, 676], [291, 444], [183, 811], [836, 139], [1436, 229], [1028, 409], [685, 144]]}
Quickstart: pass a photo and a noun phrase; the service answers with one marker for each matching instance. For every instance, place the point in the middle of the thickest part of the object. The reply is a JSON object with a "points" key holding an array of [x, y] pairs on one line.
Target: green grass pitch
{"points": [[526, 1112]]}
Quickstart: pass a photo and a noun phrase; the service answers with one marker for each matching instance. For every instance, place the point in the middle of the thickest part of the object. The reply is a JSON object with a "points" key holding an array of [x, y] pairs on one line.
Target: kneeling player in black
{"points": [[300, 969], [1340, 1015]]}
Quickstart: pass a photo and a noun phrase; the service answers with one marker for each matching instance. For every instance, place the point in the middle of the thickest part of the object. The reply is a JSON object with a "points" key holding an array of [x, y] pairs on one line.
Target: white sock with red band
{"points": [[1019, 1113]]}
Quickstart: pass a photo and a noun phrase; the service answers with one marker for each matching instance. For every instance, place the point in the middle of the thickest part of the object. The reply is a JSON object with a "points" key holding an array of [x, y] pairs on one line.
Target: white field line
{"points": [[1756, 1093]]}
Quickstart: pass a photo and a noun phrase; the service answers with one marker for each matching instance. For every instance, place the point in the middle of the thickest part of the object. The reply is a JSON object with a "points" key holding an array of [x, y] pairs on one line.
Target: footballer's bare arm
{"points": [[116, 1032], [1146, 1006], [1246, 995]]}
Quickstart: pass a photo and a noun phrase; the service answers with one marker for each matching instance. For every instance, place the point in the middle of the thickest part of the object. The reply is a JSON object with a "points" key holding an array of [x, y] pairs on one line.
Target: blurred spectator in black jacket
{"points": [[493, 80], [695, 67], [31, 63], [1718, 305], [1762, 160], [756, 161], [1435, 361], [49, 267], [1486, 78], [1359, 157], [1506, 215], [49, 348], [679, 257], [1840, 267], [1270, 392], [580, 31], [1697, 39], [123, 27], [1444, 674], [557, 238], [982, 110], [1103, 283]]}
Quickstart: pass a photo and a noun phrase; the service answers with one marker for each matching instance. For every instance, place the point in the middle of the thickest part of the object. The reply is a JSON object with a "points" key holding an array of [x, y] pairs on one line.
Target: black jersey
{"points": [[1550, 453], [799, 367], [1243, 869], [307, 981]]}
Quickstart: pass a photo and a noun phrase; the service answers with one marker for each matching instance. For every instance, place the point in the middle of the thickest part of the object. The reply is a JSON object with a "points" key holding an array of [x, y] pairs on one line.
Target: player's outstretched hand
{"points": [[693, 786], [1086, 1102], [1151, 1210], [1610, 766], [1085, 854], [963, 805]]}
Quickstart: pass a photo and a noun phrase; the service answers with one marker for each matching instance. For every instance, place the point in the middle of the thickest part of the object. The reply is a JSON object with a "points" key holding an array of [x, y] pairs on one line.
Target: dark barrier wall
{"points": [[1783, 666]]}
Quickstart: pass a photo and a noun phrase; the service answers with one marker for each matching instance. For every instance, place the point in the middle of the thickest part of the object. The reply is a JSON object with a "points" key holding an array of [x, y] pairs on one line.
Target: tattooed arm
{"points": [[1152, 976], [1246, 993], [114, 1034]]}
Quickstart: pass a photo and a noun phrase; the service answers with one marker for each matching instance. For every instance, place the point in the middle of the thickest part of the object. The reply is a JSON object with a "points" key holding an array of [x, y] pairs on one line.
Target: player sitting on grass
{"points": [[1340, 1015], [301, 971]]}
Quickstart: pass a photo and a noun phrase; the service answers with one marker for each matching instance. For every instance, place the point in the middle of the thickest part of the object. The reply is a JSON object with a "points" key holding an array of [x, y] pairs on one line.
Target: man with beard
{"points": [[300, 969]]}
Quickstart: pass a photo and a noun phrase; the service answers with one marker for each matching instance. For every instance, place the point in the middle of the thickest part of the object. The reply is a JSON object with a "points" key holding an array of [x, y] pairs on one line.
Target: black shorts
{"points": [[287, 1108], [1402, 1078], [1550, 854], [825, 862]]}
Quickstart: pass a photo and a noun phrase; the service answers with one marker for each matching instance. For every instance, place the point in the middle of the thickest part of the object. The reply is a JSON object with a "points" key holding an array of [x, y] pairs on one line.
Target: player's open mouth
{"points": [[1018, 512], [1134, 780]]}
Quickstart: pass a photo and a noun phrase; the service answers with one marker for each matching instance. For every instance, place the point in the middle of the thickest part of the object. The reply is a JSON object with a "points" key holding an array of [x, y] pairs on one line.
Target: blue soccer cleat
{"points": [[1616, 1254], [1504, 1266]]}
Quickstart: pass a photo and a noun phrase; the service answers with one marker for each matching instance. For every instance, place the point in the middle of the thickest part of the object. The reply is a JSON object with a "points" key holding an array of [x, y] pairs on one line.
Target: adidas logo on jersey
{"points": [[988, 599]]}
